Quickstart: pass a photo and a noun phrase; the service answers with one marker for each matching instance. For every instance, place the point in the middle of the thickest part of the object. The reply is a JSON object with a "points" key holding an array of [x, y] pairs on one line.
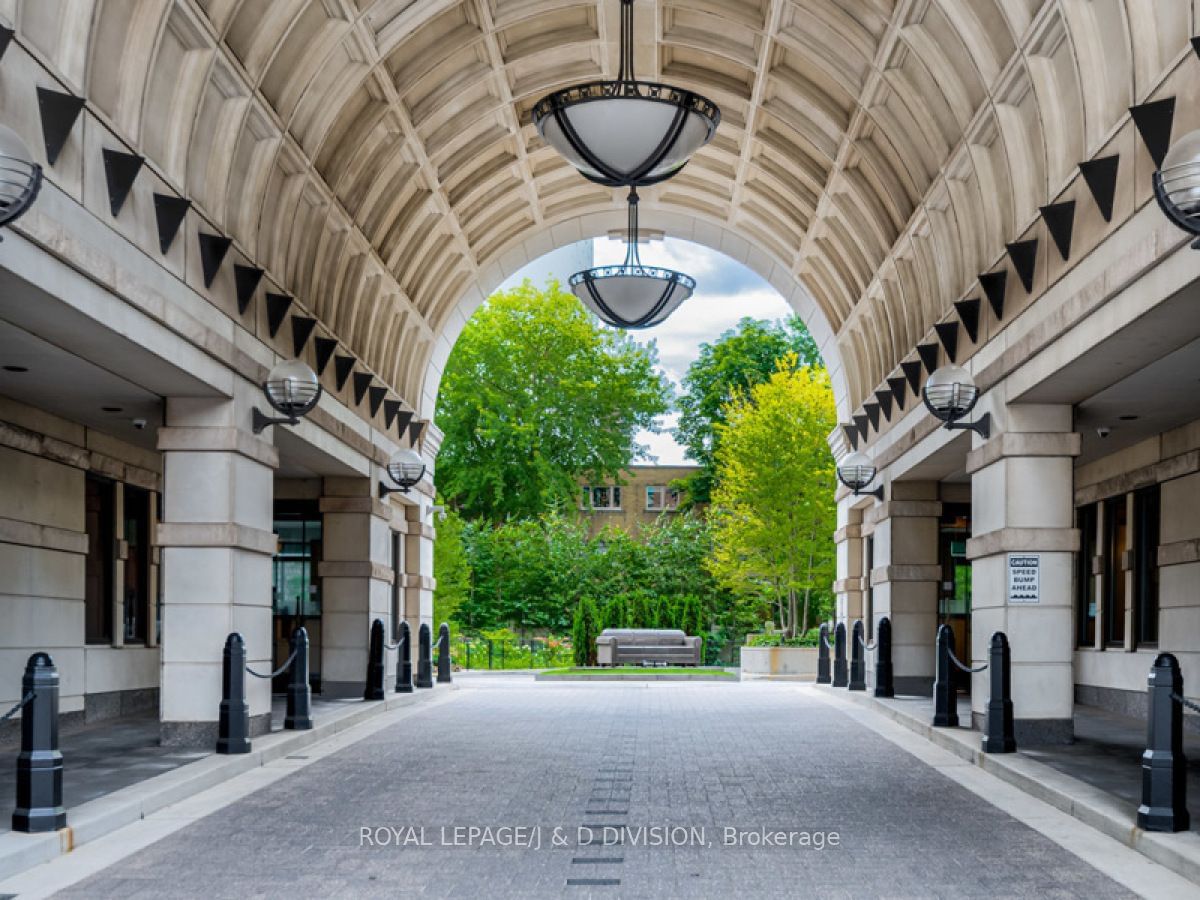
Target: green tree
{"points": [[773, 508], [535, 395], [729, 367], [451, 570], [584, 631]]}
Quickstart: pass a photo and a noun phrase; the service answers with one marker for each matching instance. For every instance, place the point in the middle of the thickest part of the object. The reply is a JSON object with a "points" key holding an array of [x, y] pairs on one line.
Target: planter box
{"points": [[799, 663]]}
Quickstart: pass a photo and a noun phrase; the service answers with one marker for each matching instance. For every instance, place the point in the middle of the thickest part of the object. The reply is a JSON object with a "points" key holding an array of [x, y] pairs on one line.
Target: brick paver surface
{"points": [[708, 757]]}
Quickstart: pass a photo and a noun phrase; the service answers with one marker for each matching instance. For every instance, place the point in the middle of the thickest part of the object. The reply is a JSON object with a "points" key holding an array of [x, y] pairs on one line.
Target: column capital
{"points": [[217, 439], [355, 568], [370, 505], [899, 509], [910, 572], [1023, 540], [1017, 443], [216, 534], [847, 532]]}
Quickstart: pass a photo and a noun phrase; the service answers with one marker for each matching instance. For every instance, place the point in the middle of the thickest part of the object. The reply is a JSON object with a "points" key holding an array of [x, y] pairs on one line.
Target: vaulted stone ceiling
{"points": [[377, 155]]}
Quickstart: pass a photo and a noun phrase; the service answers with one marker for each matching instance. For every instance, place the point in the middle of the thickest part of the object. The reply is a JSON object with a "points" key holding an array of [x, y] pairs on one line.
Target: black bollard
{"points": [[841, 675], [40, 764], [1164, 767], [443, 660], [299, 693], [404, 683], [424, 661], [884, 686], [1000, 736], [374, 687], [945, 694], [233, 721], [823, 676], [858, 662]]}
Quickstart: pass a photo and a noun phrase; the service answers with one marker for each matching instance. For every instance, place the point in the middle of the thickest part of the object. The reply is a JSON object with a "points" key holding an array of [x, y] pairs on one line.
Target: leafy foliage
{"points": [[727, 369], [773, 511], [452, 567], [536, 394], [584, 631]]}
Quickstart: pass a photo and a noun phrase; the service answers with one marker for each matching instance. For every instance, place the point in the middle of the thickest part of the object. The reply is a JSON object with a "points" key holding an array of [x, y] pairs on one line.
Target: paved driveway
{"points": [[686, 790]]}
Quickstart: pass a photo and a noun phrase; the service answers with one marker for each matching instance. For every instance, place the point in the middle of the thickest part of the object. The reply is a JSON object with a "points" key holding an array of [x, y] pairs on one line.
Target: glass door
{"points": [[296, 589], [954, 598]]}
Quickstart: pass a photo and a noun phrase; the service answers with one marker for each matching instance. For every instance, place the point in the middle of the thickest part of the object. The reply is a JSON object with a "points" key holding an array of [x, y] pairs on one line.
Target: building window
{"points": [[1116, 542], [602, 498], [1145, 565], [659, 497], [100, 512], [137, 563], [1085, 582]]}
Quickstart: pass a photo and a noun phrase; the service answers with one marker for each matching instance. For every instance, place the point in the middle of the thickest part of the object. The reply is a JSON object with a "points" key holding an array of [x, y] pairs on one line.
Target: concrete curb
{"points": [[729, 679], [1107, 814], [104, 815]]}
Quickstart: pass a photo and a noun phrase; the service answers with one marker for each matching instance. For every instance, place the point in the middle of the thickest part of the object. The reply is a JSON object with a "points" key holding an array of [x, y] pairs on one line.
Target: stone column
{"points": [[356, 582], [418, 564], [905, 578], [216, 543], [848, 588], [1022, 519]]}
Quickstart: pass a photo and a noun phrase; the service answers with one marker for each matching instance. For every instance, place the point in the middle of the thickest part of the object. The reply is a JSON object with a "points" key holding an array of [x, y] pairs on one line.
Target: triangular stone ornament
{"points": [[6, 36], [402, 419], [416, 431], [246, 279], [213, 248], [302, 329], [120, 171], [912, 371], [277, 307], [342, 367], [362, 381], [169, 213], [1100, 175], [851, 433], [1024, 259], [864, 426], [947, 333], [390, 409], [994, 285], [929, 356], [375, 395], [58, 112], [1196, 45], [1153, 121], [884, 397], [968, 314], [1060, 222], [324, 352], [899, 386], [872, 411]]}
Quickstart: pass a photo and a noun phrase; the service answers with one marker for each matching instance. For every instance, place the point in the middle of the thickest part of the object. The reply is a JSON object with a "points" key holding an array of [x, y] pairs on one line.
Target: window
{"points": [[602, 498], [1116, 541], [1085, 582], [137, 563], [397, 583], [659, 497], [1145, 565], [99, 512]]}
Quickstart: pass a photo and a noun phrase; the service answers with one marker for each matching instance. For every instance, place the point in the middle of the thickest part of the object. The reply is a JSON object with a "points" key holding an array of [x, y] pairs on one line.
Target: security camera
{"points": [[1103, 431], [139, 424]]}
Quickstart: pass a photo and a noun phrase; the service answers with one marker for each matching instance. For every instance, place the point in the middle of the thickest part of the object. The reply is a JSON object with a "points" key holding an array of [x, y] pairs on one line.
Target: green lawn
{"points": [[644, 670]]}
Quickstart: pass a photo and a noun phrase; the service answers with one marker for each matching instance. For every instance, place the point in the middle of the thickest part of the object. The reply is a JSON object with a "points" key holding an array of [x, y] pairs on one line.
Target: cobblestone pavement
{"points": [[707, 757]]}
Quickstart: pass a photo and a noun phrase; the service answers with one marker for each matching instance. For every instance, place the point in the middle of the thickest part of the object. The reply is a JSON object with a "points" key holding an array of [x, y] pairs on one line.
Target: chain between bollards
{"points": [[963, 666], [277, 672], [16, 709], [1178, 698], [871, 647]]}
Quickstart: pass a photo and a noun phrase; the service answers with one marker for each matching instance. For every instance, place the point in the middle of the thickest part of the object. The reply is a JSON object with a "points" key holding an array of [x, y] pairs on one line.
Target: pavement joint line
{"points": [[597, 860], [593, 882], [1113, 856]]}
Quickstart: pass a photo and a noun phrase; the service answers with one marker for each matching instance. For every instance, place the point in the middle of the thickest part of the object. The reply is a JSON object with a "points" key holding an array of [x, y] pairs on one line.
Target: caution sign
{"points": [[1024, 578]]}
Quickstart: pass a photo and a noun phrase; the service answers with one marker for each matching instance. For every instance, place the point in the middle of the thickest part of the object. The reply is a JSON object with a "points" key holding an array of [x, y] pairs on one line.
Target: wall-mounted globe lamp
{"points": [[405, 468], [626, 133], [20, 177], [1177, 185], [632, 295], [950, 394], [857, 471], [292, 389]]}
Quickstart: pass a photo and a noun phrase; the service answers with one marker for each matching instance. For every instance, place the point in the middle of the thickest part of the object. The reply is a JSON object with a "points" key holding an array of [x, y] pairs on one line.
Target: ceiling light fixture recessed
{"points": [[112, 409], [15, 369], [1128, 418]]}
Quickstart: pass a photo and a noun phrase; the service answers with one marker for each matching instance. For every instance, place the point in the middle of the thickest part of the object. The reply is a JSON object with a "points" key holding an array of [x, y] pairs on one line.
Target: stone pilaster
{"points": [[904, 579], [356, 582], [216, 543], [848, 539], [1022, 515], [418, 563]]}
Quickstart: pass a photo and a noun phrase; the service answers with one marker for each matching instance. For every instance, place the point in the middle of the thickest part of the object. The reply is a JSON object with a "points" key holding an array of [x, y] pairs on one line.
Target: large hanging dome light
{"points": [[1177, 185], [626, 133], [632, 295]]}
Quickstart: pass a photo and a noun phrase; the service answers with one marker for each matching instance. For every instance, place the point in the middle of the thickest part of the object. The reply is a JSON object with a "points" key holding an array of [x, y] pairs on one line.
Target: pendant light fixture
{"points": [[626, 133], [632, 295]]}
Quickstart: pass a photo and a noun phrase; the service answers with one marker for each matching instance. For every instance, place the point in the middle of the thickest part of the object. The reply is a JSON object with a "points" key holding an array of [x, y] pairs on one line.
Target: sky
{"points": [[726, 291]]}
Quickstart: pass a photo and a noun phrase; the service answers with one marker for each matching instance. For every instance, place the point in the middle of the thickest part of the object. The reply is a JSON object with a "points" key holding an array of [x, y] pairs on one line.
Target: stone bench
{"points": [[661, 646]]}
